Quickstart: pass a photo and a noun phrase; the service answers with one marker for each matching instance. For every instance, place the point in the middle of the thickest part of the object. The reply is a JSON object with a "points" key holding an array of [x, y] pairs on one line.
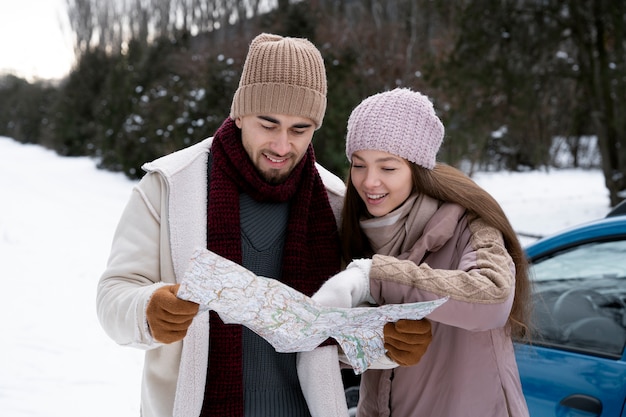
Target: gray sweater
{"points": [[270, 380]]}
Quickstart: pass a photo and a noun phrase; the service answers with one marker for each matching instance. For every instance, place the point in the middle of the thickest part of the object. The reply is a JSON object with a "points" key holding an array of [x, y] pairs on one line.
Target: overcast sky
{"points": [[34, 39]]}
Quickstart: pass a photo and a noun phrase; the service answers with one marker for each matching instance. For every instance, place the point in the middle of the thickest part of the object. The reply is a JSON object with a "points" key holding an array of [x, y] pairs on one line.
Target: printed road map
{"points": [[289, 320]]}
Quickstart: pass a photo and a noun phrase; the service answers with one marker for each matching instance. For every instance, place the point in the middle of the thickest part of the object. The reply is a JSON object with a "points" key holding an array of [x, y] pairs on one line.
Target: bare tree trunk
{"points": [[610, 138], [80, 13]]}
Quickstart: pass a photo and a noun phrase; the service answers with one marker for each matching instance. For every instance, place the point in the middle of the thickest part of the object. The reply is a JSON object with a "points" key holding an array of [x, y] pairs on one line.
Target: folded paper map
{"points": [[289, 320]]}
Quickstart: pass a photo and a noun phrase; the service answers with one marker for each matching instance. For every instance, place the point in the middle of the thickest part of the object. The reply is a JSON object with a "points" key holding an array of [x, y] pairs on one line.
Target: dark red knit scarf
{"points": [[311, 253]]}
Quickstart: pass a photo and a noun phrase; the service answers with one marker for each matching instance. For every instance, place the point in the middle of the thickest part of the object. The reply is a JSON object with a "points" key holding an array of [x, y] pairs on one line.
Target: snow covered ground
{"points": [[57, 217]]}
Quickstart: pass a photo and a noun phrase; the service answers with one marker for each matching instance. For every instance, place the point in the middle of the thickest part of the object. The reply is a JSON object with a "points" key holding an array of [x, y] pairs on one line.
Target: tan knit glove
{"points": [[168, 316], [406, 341]]}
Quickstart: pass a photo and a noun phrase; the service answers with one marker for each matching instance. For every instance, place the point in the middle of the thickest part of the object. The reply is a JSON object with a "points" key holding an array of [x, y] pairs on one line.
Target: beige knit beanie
{"points": [[284, 76], [400, 122]]}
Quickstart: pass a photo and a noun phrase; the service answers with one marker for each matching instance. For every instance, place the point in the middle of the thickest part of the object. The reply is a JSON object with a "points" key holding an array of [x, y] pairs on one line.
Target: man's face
{"points": [[275, 143]]}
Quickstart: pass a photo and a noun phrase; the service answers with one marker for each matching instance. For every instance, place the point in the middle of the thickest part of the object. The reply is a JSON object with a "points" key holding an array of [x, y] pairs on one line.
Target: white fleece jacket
{"points": [[164, 220]]}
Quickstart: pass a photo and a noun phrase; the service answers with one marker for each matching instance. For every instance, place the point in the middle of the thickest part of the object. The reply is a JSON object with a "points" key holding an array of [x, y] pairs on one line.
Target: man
{"points": [[254, 194]]}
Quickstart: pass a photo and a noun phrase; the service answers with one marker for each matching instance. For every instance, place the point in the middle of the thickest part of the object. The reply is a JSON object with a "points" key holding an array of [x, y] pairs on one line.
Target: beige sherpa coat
{"points": [[163, 222]]}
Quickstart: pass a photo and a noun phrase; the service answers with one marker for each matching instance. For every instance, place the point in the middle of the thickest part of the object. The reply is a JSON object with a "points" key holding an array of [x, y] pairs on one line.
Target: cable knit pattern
{"points": [[488, 280]]}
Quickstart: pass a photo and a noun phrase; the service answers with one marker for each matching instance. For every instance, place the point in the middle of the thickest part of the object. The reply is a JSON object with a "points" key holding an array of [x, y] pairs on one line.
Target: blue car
{"points": [[575, 364]]}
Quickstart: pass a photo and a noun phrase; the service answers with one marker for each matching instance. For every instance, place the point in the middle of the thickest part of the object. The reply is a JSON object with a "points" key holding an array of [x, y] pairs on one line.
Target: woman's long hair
{"points": [[448, 184]]}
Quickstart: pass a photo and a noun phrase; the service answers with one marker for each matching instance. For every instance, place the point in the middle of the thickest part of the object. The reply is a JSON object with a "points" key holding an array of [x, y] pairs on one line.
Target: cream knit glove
{"points": [[348, 288]]}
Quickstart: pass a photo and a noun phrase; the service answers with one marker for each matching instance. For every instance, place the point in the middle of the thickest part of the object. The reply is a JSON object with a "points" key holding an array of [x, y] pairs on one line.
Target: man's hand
{"points": [[406, 341], [168, 316]]}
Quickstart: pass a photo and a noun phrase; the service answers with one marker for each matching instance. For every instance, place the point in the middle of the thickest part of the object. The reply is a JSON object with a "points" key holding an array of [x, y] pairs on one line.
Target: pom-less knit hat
{"points": [[284, 76], [400, 122]]}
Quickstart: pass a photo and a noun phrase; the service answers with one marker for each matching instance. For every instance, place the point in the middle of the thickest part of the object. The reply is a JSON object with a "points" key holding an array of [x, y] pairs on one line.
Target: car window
{"points": [[580, 298]]}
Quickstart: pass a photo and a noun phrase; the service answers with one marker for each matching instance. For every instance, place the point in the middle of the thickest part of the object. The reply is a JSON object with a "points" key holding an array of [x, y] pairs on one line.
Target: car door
{"points": [[575, 364]]}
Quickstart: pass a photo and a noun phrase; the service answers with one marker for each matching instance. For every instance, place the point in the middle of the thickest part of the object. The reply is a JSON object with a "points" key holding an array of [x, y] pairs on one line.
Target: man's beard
{"points": [[275, 177]]}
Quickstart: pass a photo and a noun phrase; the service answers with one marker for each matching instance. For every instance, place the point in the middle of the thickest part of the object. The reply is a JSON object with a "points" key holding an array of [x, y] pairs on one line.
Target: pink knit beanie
{"points": [[401, 122], [282, 75]]}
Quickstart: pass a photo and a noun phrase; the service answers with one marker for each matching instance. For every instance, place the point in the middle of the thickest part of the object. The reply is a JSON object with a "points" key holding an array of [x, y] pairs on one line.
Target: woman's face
{"points": [[382, 180]]}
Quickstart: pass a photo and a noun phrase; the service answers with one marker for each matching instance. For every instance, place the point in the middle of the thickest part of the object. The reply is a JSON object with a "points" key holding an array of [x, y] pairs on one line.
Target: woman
{"points": [[430, 232]]}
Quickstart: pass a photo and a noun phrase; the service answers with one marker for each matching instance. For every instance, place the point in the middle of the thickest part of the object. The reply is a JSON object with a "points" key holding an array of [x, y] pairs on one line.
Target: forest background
{"points": [[513, 80]]}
